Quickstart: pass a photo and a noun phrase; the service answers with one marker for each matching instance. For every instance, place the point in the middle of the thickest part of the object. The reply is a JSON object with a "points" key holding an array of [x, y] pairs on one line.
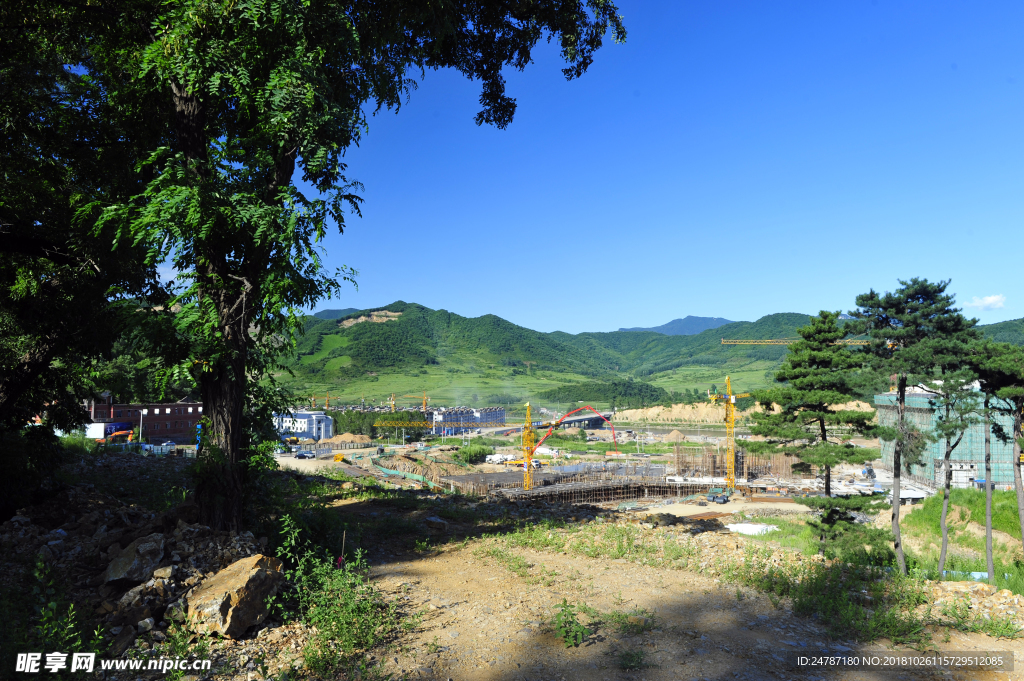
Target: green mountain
{"points": [[1011, 331], [408, 349], [335, 314], [405, 347], [687, 326]]}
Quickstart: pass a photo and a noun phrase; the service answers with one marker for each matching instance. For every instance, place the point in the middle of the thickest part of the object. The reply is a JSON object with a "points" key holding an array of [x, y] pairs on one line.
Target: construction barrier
{"points": [[410, 476]]}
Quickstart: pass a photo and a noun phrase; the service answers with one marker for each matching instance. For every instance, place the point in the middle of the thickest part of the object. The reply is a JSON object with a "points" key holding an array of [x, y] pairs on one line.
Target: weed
{"points": [[423, 545], [634, 622], [337, 600], [179, 644], [958, 616], [515, 564], [630, 660], [433, 647], [739, 595], [414, 621], [568, 625]]}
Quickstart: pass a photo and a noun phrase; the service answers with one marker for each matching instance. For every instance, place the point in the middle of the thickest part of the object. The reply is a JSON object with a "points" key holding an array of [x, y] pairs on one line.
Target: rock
{"points": [[164, 572], [146, 625], [235, 598], [435, 523], [122, 641], [137, 561], [176, 611]]}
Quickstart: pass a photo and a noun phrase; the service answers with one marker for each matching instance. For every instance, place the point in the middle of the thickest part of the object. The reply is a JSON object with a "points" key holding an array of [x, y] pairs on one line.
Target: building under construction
{"points": [[967, 460], [458, 420], [600, 482]]}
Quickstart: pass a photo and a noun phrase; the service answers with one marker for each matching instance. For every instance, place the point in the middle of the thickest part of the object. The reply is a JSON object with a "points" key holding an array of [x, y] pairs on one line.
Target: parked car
{"points": [[305, 455], [168, 444]]}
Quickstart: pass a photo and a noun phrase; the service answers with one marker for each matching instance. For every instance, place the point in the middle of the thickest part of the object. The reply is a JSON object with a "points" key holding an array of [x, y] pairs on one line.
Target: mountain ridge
{"points": [[686, 326]]}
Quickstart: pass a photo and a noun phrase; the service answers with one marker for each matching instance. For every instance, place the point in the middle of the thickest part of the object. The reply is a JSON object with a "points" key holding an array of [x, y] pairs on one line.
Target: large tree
{"points": [[903, 326], [67, 290], [805, 416], [247, 100]]}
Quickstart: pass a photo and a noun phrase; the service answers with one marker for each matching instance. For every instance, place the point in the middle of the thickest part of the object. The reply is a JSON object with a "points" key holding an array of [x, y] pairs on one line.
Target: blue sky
{"points": [[731, 159]]}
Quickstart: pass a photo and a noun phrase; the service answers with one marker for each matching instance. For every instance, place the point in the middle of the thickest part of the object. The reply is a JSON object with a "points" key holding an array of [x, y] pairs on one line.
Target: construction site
{"points": [[690, 476]]}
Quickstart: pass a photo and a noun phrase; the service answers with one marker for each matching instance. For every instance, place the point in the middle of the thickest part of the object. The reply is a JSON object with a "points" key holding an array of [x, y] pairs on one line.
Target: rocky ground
{"points": [[478, 605]]}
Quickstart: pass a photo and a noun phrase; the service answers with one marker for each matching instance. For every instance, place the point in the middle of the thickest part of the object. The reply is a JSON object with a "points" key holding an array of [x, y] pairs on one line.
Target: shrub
{"points": [[337, 598], [473, 453]]}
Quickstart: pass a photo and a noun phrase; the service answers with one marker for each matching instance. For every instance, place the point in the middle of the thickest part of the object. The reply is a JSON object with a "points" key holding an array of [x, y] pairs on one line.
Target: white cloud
{"points": [[988, 302]]}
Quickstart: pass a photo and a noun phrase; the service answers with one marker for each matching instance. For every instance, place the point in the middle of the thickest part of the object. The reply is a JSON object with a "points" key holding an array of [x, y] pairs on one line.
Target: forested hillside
{"points": [[405, 348], [1011, 331], [419, 337]]}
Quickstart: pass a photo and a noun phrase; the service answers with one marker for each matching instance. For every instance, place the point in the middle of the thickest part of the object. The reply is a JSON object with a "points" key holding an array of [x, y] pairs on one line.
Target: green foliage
{"points": [[1004, 510], [568, 626], [623, 394], [816, 376], [490, 342], [958, 616], [843, 539], [337, 598], [355, 422], [234, 107], [474, 453], [43, 618], [31, 458]]}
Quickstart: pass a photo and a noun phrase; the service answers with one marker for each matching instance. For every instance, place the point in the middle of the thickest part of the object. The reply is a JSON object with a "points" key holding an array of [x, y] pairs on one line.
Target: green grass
{"points": [[634, 622], [327, 343], [791, 534], [1004, 510]]}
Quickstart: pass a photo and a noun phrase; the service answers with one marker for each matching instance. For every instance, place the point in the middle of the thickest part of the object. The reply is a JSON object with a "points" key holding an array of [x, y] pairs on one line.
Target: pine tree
{"points": [[1000, 368], [904, 325], [804, 417]]}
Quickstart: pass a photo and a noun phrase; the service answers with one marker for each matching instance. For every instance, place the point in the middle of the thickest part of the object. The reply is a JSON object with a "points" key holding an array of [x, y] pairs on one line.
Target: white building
{"points": [[313, 425]]}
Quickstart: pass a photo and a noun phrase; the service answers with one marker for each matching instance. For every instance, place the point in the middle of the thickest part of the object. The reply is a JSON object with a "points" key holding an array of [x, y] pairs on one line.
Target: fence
{"points": [[143, 449], [332, 446]]}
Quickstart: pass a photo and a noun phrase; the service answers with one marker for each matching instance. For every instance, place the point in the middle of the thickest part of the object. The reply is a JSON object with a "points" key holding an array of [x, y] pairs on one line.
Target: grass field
{"points": [[744, 377], [467, 382]]}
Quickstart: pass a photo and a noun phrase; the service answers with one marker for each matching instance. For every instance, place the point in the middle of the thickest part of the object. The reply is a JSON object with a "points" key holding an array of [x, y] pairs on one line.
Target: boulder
{"points": [[137, 561], [124, 638], [235, 598], [436, 524]]}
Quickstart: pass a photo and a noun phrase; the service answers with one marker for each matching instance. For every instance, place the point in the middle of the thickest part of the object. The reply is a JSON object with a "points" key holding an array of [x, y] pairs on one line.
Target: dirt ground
{"points": [[484, 624], [733, 506], [481, 622]]}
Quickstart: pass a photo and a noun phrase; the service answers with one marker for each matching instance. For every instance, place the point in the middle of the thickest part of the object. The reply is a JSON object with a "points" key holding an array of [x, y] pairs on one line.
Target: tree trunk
{"points": [[988, 496], [945, 509], [1016, 465], [828, 469], [897, 464]]}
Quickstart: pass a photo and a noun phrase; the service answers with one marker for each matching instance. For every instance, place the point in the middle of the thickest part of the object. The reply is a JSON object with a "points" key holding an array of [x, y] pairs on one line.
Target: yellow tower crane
{"points": [[730, 431], [786, 341], [314, 398], [425, 399], [529, 437]]}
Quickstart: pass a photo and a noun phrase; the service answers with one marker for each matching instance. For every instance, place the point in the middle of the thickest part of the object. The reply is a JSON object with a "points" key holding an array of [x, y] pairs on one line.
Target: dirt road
{"points": [[483, 623]]}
